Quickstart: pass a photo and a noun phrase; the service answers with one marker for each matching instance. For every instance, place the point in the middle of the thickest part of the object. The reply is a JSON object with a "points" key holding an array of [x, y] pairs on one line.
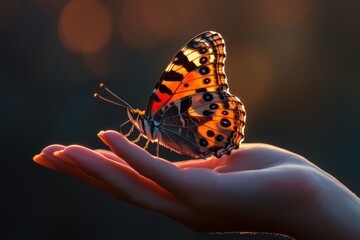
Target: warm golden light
{"points": [[144, 24], [283, 13], [85, 26]]}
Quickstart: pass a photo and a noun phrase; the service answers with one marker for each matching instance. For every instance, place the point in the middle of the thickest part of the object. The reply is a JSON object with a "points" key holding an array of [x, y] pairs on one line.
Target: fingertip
{"points": [[41, 160], [37, 157], [100, 133], [52, 148], [109, 137]]}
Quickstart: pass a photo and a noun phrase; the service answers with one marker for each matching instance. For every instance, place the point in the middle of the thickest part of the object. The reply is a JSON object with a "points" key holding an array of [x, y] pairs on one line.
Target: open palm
{"points": [[258, 188]]}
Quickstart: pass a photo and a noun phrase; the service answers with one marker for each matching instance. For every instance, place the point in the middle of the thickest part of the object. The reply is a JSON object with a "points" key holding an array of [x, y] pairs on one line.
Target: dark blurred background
{"points": [[295, 65]]}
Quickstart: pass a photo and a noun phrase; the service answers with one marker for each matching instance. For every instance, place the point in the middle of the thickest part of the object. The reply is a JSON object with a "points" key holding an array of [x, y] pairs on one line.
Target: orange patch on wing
{"points": [[191, 76]]}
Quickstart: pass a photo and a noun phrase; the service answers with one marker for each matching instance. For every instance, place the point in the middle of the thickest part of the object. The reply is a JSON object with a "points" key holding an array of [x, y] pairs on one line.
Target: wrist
{"points": [[334, 214]]}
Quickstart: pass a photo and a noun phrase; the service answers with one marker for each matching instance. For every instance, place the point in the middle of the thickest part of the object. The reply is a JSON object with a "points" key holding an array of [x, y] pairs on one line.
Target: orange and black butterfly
{"points": [[190, 110]]}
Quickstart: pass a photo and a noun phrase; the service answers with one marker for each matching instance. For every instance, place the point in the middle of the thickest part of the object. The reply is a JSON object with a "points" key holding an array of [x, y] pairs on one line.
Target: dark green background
{"points": [[294, 64]]}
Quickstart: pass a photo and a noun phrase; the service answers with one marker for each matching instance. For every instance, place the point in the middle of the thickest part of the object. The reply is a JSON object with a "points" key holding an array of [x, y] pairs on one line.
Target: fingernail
{"points": [[37, 157], [101, 135], [43, 161], [61, 155]]}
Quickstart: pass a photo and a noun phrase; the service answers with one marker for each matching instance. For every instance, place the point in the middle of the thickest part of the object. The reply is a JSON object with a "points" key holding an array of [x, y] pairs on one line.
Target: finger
{"points": [[42, 160], [111, 155], [135, 188], [68, 166], [182, 183]]}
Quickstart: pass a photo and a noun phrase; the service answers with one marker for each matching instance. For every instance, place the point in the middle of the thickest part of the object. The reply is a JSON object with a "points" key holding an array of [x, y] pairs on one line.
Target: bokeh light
{"points": [[283, 13], [85, 26], [144, 24]]}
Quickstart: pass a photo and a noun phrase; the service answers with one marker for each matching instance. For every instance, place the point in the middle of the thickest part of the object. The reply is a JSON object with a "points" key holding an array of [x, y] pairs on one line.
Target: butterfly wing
{"points": [[191, 103]]}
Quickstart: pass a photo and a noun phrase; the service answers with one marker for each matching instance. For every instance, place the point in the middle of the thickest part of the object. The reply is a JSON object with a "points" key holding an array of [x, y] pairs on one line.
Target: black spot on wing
{"points": [[207, 113], [181, 59], [201, 90], [172, 111], [172, 76], [193, 44], [190, 66], [165, 89], [204, 70], [156, 98], [203, 142], [185, 104]]}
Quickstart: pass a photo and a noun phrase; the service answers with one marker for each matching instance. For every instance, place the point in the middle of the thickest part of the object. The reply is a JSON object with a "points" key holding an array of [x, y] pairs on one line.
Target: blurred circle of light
{"points": [[144, 24], [85, 26]]}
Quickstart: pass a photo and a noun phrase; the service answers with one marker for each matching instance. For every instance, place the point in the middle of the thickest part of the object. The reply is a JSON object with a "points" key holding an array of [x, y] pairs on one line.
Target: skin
{"points": [[258, 188]]}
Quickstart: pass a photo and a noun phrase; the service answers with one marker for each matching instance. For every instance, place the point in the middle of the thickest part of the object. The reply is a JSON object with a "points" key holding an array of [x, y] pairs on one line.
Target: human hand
{"points": [[258, 188]]}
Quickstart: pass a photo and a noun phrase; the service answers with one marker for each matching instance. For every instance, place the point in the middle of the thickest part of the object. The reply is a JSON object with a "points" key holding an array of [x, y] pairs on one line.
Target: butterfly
{"points": [[190, 109]]}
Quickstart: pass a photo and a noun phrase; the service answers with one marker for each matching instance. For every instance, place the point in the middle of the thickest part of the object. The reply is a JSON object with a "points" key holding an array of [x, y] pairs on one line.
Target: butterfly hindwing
{"points": [[201, 126]]}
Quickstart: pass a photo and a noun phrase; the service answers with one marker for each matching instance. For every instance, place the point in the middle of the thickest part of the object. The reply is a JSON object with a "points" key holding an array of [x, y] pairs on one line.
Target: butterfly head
{"points": [[146, 127]]}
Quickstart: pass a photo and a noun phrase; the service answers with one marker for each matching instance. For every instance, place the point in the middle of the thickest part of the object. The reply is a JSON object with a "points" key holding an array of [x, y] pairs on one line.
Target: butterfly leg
{"points": [[130, 131], [147, 144], [137, 139], [157, 149]]}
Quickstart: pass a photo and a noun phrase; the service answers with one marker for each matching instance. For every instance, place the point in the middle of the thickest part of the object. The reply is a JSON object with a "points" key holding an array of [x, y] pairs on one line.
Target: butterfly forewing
{"points": [[191, 103], [198, 65]]}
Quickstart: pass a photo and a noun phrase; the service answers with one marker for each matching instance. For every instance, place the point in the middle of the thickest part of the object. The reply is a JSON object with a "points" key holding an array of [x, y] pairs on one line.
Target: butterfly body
{"points": [[190, 109]]}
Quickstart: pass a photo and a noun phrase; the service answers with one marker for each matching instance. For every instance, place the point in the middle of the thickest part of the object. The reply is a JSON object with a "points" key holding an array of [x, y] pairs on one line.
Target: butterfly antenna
{"points": [[102, 85], [109, 101], [123, 102]]}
